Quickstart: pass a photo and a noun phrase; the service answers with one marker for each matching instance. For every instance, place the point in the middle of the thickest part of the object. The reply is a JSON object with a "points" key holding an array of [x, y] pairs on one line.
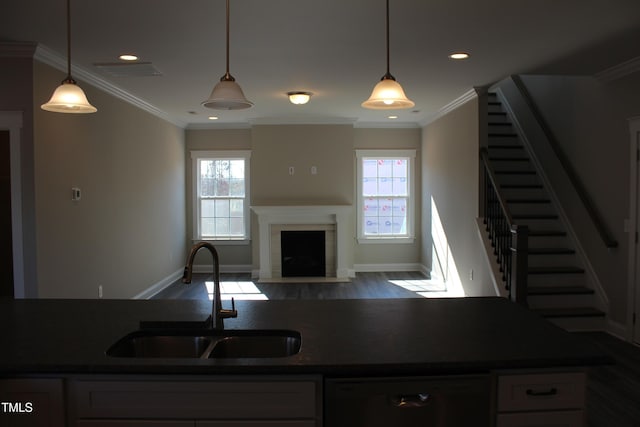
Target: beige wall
{"points": [[127, 232], [450, 182], [330, 148]]}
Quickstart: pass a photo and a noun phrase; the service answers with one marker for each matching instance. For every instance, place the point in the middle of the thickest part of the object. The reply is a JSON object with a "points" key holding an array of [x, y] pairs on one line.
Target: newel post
{"points": [[519, 263]]}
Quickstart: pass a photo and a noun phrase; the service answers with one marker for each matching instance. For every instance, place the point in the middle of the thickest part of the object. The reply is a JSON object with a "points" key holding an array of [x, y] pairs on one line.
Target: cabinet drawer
{"points": [[542, 419], [541, 391], [224, 399]]}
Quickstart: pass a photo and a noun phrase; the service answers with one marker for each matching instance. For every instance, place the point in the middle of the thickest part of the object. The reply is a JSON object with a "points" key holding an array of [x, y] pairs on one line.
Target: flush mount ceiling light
{"points": [[459, 55], [299, 98], [227, 94], [128, 57], [388, 94], [69, 97]]}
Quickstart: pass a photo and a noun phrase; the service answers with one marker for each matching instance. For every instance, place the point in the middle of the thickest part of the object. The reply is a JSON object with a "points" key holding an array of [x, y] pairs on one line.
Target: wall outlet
{"points": [[292, 170], [99, 291], [471, 274]]}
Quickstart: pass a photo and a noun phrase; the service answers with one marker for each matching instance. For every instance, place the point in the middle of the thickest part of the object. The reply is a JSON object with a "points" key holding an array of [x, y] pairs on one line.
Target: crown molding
{"points": [[619, 71], [456, 103], [53, 59]]}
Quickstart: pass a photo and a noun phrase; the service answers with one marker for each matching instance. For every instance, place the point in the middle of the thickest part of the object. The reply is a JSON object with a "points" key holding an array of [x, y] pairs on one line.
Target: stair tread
{"points": [[555, 270], [546, 233], [505, 147], [513, 172], [559, 290], [569, 312], [527, 200], [509, 159], [535, 216], [545, 251], [536, 186]]}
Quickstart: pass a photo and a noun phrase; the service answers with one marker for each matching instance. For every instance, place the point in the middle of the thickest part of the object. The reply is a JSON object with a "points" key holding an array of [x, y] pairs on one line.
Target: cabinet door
{"points": [[133, 423], [257, 423], [542, 419], [31, 403]]}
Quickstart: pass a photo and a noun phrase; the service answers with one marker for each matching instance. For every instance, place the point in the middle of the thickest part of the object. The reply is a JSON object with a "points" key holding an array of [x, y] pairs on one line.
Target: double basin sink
{"points": [[207, 344]]}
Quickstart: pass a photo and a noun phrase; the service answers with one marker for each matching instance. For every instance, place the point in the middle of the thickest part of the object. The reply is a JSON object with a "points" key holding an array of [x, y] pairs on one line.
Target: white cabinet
{"points": [[32, 402], [541, 399], [239, 401]]}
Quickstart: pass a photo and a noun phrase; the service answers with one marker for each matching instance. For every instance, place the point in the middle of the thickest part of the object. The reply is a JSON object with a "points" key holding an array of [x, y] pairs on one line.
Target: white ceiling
{"points": [[333, 48]]}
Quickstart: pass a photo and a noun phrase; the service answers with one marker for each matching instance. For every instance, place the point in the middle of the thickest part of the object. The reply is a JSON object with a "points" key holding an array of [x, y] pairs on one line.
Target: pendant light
{"points": [[227, 94], [388, 94], [69, 97]]}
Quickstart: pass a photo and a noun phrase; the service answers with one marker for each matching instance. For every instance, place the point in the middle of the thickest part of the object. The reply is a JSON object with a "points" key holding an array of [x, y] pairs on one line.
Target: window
{"points": [[385, 195], [221, 195]]}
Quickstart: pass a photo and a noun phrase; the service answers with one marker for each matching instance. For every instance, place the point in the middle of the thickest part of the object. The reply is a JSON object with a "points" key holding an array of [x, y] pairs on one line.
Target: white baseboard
{"points": [[229, 268], [391, 267], [159, 286]]}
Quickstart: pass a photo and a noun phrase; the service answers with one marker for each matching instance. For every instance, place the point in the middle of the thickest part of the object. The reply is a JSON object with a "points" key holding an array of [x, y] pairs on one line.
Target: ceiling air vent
{"points": [[137, 69]]}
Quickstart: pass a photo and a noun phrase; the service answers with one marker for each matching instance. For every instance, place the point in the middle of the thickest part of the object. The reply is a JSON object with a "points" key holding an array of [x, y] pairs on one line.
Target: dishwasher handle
{"points": [[411, 400]]}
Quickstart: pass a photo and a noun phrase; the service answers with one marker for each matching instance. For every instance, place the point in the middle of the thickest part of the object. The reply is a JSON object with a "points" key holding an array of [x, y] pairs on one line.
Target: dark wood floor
{"points": [[613, 398], [364, 285]]}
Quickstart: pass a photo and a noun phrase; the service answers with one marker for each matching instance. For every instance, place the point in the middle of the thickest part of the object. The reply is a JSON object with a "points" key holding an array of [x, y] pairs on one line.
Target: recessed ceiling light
{"points": [[128, 57], [213, 117], [392, 117], [459, 55]]}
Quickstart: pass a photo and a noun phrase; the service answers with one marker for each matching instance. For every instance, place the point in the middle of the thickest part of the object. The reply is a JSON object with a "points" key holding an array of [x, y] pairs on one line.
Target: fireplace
{"points": [[303, 253], [331, 220]]}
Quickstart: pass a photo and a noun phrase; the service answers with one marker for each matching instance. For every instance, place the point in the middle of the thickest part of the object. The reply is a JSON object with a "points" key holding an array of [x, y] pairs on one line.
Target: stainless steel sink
{"points": [[255, 346], [207, 344]]}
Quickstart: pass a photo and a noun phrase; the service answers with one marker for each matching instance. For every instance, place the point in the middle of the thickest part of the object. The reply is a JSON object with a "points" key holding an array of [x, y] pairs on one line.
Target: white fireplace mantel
{"points": [[312, 214]]}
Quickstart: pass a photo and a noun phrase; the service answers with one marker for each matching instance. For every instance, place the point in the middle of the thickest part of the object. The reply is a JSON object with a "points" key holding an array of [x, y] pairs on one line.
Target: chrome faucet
{"points": [[218, 314]]}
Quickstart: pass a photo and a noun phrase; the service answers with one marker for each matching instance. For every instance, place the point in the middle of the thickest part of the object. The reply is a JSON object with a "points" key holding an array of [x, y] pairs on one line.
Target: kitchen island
{"points": [[63, 343]]}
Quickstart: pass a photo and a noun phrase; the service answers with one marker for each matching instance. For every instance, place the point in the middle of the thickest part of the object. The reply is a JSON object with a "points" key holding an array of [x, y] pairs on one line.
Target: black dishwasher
{"points": [[449, 401]]}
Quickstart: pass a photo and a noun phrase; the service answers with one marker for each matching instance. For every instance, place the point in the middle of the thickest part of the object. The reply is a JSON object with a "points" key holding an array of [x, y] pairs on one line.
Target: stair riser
{"points": [[530, 193], [498, 118], [558, 260], [548, 242], [501, 128], [555, 280], [531, 208], [560, 301], [579, 323], [492, 108], [539, 224]]}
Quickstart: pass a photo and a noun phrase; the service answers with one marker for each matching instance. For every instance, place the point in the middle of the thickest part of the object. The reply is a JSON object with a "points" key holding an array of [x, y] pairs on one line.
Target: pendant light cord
{"points": [[68, 79], [388, 72], [388, 76], [227, 76]]}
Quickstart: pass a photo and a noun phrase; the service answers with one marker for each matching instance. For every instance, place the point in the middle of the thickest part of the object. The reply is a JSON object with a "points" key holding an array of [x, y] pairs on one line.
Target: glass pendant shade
{"points": [[388, 95], [69, 98], [227, 95]]}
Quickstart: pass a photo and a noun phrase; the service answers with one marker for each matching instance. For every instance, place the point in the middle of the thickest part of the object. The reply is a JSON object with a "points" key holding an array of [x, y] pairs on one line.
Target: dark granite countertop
{"points": [[339, 337]]}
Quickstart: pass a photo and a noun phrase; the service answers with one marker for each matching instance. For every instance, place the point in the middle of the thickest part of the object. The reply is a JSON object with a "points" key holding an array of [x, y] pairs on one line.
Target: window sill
{"points": [[224, 242], [385, 240]]}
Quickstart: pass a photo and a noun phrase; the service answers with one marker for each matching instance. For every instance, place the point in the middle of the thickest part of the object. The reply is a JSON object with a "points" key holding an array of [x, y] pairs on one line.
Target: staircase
{"points": [[557, 287]]}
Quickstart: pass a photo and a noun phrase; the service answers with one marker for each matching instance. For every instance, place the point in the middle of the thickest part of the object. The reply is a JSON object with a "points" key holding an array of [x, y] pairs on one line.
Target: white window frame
{"points": [[410, 155], [196, 157]]}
